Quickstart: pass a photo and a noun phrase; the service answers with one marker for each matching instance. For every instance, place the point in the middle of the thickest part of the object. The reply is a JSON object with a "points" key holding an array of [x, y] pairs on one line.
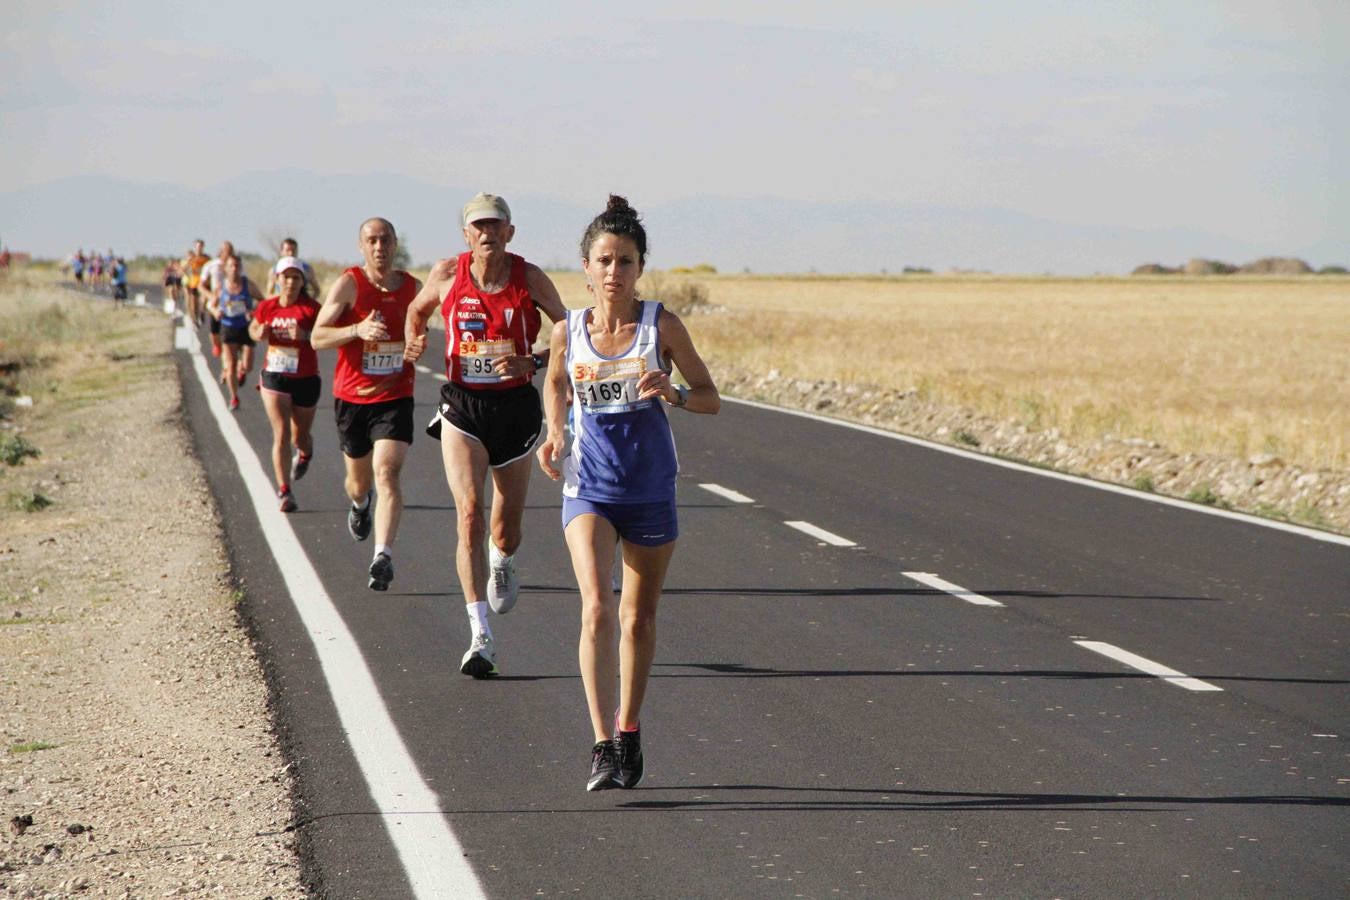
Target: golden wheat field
{"points": [[1231, 366], [1235, 366]]}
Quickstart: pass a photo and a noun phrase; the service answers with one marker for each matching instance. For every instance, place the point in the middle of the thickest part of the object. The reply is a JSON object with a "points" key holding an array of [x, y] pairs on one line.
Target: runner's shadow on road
{"points": [[737, 670], [803, 799]]}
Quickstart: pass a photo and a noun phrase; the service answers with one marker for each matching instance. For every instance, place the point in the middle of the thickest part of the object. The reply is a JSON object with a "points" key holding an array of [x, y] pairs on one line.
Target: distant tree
{"points": [[272, 236], [402, 258]]}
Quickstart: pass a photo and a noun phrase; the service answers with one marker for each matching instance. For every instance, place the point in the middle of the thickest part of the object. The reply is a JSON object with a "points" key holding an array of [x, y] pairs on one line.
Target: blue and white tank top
{"points": [[234, 307], [622, 447]]}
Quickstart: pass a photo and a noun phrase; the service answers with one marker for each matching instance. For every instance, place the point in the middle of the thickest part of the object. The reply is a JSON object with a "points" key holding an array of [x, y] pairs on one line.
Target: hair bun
{"points": [[618, 204]]}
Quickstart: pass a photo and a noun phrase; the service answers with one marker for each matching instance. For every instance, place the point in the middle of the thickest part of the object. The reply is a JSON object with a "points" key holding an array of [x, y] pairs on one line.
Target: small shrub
{"points": [[1203, 494], [965, 437], [680, 297], [29, 501], [14, 449], [1144, 483], [31, 747]]}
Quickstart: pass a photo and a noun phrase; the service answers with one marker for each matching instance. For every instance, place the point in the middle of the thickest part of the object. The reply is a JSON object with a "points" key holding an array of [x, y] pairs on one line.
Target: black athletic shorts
{"points": [[119, 292], [238, 336], [214, 324], [360, 425], [506, 422], [304, 390]]}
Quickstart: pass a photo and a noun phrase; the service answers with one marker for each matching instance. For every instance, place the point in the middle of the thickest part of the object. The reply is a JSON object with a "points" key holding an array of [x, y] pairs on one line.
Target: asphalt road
{"points": [[819, 723]]}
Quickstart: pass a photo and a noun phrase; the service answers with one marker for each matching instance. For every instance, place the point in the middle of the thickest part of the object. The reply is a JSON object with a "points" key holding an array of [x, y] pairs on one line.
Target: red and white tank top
{"points": [[480, 328], [375, 371], [289, 351]]}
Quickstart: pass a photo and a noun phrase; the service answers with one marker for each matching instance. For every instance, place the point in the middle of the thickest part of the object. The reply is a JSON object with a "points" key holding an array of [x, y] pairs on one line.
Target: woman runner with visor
{"points": [[290, 380]]}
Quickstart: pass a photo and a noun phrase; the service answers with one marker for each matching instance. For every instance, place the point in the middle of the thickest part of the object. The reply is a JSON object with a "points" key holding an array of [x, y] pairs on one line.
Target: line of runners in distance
{"points": [[607, 384], [99, 273]]}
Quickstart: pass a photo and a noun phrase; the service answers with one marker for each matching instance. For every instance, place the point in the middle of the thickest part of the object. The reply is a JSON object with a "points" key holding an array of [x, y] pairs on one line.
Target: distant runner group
{"points": [[608, 381]]}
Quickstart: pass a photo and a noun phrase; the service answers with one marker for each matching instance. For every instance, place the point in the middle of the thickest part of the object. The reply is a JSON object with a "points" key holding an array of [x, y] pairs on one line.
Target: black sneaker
{"points": [[382, 572], [604, 767], [358, 521], [628, 750]]}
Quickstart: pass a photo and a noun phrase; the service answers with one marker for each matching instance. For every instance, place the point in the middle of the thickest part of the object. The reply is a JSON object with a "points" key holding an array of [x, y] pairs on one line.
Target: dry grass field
{"points": [[1228, 366]]}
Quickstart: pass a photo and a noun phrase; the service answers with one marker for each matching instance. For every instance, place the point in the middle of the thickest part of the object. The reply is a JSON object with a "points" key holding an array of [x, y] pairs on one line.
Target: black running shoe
{"points": [[381, 572], [628, 750], [604, 766], [358, 521]]}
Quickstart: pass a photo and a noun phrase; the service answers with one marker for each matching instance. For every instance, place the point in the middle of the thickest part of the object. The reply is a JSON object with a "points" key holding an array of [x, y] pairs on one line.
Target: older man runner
{"points": [[490, 415], [363, 316]]}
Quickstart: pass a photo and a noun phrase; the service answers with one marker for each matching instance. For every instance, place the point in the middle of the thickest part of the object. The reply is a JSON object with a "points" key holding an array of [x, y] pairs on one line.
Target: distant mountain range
{"points": [[761, 234]]}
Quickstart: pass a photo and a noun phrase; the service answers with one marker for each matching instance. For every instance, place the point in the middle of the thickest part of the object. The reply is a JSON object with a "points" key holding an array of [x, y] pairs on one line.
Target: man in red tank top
{"points": [[363, 317], [490, 415]]}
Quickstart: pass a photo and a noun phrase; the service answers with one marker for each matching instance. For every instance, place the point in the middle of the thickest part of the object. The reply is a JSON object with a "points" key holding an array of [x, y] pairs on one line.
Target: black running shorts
{"points": [[506, 422], [238, 336], [304, 391], [360, 425], [215, 324]]}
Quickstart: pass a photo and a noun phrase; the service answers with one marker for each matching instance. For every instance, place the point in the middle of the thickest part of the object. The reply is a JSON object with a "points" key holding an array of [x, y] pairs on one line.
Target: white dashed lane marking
{"points": [[1148, 666], [728, 493], [933, 581], [821, 534], [425, 370]]}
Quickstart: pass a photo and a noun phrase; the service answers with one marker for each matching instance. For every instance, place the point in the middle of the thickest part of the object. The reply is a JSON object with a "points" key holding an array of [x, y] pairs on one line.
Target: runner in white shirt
{"points": [[212, 275]]}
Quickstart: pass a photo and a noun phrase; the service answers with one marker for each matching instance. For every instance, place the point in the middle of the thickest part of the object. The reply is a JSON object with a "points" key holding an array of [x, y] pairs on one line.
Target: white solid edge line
{"points": [[1148, 666], [1061, 476], [728, 493], [431, 855], [955, 590], [821, 534]]}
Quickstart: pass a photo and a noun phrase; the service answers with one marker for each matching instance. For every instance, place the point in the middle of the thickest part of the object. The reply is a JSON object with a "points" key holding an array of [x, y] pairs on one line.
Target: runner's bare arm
{"points": [[327, 333], [678, 347], [257, 330], [422, 308], [544, 294], [555, 403]]}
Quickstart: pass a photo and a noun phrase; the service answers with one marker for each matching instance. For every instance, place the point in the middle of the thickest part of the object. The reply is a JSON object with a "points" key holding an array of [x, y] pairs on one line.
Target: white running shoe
{"points": [[480, 660], [503, 586]]}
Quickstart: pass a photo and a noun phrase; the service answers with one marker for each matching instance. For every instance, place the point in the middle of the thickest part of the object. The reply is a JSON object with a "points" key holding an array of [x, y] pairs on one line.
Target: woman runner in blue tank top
{"points": [[233, 307], [615, 359]]}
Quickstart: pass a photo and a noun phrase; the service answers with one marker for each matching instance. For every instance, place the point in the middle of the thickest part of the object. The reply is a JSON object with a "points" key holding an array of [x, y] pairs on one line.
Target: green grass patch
{"points": [[29, 501], [15, 448], [31, 747], [33, 620], [965, 437], [1143, 483], [1309, 514], [1205, 494]]}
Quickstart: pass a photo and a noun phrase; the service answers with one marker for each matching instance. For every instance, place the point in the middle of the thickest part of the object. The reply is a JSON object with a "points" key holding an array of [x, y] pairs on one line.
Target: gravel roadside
{"points": [[137, 734]]}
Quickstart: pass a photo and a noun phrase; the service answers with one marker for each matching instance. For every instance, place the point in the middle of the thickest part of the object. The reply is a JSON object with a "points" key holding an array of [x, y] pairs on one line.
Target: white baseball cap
{"points": [[289, 262]]}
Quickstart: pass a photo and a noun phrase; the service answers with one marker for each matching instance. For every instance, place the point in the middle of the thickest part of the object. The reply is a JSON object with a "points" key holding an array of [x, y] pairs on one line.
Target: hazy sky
{"points": [[1228, 117]]}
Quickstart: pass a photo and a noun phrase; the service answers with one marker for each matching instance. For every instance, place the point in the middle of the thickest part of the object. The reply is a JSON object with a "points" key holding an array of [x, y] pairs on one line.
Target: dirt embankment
{"points": [[138, 758]]}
